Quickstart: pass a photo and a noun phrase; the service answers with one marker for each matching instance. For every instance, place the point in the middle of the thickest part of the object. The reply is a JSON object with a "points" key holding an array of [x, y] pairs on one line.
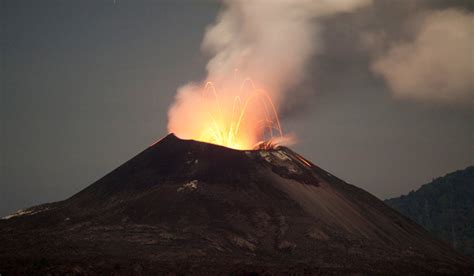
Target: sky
{"points": [[86, 85]]}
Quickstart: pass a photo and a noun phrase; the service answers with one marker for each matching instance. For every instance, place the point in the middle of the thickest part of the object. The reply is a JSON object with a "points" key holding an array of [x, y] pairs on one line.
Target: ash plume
{"points": [[268, 41]]}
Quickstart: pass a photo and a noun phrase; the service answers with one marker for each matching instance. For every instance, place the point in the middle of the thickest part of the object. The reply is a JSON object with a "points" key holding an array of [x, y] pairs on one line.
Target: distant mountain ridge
{"points": [[445, 207]]}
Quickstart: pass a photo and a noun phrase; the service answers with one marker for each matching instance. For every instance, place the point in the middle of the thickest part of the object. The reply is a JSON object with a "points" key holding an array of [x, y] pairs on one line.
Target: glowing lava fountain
{"points": [[235, 116]]}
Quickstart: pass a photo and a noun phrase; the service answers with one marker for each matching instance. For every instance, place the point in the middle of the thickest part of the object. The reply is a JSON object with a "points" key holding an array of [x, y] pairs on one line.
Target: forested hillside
{"points": [[445, 207]]}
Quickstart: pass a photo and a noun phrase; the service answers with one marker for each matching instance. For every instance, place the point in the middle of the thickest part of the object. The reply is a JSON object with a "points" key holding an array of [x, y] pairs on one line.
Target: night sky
{"points": [[86, 85]]}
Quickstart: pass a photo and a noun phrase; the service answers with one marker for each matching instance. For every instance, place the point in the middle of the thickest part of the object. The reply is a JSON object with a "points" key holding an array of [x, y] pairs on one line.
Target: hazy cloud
{"points": [[437, 66]]}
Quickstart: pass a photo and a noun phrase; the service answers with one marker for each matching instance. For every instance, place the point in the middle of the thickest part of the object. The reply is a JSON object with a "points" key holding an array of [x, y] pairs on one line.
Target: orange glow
{"points": [[235, 116], [231, 129], [301, 158]]}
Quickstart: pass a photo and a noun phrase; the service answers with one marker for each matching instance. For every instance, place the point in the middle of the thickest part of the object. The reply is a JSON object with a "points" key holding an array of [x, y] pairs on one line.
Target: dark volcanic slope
{"points": [[188, 206]]}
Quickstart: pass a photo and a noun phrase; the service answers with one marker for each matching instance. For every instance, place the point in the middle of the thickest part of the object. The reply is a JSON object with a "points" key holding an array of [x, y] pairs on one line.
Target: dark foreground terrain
{"points": [[445, 207], [190, 207]]}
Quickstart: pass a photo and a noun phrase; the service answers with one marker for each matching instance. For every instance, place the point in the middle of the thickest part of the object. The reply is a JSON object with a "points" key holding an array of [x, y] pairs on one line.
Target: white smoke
{"points": [[269, 41], [438, 65]]}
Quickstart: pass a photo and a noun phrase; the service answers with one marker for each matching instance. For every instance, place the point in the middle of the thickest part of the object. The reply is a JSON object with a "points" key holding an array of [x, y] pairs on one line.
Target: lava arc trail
{"points": [[227, 130], [235, 114]]}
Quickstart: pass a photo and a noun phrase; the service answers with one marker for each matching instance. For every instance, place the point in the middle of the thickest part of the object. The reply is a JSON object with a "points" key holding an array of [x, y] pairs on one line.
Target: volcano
{"points": [[191, 207]]}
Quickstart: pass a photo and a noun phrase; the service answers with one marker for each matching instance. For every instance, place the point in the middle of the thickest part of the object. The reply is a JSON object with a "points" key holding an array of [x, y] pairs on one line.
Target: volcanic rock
{"points": [[183, 206]]}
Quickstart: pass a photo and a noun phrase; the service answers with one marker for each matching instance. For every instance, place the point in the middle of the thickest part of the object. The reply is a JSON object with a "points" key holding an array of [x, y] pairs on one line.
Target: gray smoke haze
{"points": [[437, 64]]}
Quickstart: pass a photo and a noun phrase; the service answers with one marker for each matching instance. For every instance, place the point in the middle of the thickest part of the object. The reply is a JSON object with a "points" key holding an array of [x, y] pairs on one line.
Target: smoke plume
{"points": [[268, 41], [438, 65]]}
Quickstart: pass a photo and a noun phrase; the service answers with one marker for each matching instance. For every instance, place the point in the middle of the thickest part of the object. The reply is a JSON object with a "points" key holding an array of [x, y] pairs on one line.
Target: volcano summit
{"points": [[192, 207]]}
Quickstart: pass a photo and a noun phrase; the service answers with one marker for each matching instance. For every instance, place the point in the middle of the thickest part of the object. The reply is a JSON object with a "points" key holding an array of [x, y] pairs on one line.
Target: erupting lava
{"points": [[241, 117], [225, 129]]}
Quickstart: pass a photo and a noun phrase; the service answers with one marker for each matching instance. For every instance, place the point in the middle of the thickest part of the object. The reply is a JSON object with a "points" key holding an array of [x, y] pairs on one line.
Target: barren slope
{"points": [[188, 206]]}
